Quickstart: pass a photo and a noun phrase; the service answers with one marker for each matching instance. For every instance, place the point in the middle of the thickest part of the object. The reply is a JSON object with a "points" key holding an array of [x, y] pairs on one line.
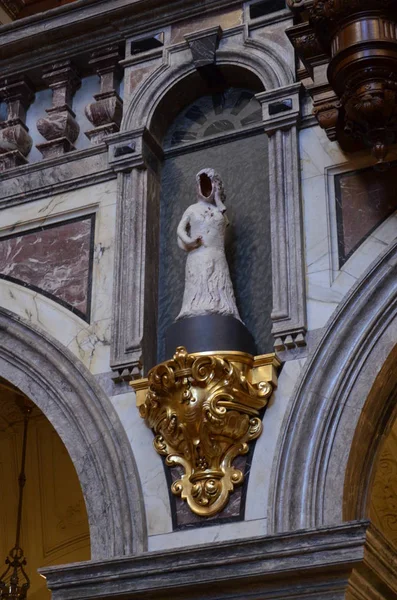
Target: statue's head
{"points": [[209, 186]]}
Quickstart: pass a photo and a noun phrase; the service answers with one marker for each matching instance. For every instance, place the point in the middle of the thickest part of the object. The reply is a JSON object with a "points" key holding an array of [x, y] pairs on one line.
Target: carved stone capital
{"points": [[15, 141], [204, 409], [60, 128], [107, 110]]}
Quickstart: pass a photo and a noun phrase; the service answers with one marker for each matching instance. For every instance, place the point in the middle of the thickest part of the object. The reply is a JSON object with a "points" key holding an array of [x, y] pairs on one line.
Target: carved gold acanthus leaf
{"points": [[204, 410]]}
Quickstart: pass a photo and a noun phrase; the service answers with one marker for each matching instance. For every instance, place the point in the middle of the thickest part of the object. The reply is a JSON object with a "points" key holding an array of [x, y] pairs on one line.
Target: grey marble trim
{"points": [[136, 255], [302, 565], [289, 291], [54, 176], [317, 434], [56, 381]]}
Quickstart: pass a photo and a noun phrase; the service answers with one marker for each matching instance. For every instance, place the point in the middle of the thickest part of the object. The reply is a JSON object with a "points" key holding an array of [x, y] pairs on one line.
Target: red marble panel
{"points": [[55, 260], [364, 199]]}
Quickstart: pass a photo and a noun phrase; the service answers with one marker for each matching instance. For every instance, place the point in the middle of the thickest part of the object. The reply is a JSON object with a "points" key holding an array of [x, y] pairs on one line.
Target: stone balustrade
{"points": [[31, 128]]}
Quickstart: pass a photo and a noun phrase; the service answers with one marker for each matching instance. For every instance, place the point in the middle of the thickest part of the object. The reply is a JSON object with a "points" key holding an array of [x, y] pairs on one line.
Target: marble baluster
{"points": [[107, 110], [60, 128], [15, 141]]}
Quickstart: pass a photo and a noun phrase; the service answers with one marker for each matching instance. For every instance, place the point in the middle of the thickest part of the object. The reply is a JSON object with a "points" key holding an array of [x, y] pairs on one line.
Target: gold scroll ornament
{"points": [[204, 410]]}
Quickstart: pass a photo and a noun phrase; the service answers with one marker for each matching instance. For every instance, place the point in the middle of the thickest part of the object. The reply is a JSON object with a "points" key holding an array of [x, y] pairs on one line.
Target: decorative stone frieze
{"points": [[107, 110], [15, 141], [60, 128]]}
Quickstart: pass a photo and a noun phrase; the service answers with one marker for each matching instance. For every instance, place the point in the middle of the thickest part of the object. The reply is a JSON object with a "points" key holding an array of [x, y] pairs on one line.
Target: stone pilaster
{"points": [[136, 158], [60, 128], [107, 110], [15, 141], [281, 113]]}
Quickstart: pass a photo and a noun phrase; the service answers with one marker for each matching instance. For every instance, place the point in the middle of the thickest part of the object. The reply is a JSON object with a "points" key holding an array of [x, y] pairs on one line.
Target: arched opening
{"points": [[371, 474], [343, 405], [54, 524], [84, 418]]}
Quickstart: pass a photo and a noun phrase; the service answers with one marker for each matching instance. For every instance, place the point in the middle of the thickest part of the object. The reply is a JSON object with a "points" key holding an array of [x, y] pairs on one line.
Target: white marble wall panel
{"points": [[149, 464], [90, 342], [327, 285], [208, 535], [259, 495]]}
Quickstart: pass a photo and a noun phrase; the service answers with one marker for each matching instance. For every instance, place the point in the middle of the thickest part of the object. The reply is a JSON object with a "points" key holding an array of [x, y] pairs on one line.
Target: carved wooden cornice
{"points": [[359, 39], [21, 8], [12, 7]]}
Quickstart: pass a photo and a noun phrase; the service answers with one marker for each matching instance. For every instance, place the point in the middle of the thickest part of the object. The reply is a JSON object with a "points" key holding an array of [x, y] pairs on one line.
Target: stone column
{"points": [[281, 112], [60, 128], [15, 141], [107, 110], [136, 158]]}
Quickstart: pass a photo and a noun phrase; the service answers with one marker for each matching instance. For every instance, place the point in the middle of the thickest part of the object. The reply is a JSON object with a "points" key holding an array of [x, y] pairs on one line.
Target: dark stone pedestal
{"points": [[209, 333]]}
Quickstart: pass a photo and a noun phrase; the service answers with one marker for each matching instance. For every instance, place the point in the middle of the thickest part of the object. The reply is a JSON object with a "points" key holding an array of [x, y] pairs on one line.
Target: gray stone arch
{"points": [[259, 60], [84, 418], [151, 108], [316, 453]]}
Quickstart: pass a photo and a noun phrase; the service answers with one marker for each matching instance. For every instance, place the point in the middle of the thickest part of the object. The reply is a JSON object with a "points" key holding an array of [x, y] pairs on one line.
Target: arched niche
{"points": [[82, 415], [137, 154], [330, 436], [220, 130]]}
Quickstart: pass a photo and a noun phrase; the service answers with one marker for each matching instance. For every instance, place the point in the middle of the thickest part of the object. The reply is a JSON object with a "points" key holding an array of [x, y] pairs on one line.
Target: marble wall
{"points": [[54, 260], [327, 282], [70, 259]]}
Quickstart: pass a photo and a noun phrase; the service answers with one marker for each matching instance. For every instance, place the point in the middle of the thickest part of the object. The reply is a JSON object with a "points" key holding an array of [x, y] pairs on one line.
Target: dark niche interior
{"points": [[221, 131]]}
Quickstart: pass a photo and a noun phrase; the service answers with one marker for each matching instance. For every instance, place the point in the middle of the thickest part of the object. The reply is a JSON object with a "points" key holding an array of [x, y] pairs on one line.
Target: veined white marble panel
{"points": [[89, 342], [208, 535], [321, 159], [149, 463], [259, 483]]}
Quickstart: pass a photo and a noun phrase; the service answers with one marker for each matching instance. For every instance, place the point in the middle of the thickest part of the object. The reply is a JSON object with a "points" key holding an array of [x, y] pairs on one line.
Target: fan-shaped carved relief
{"points": [[224, 112]]}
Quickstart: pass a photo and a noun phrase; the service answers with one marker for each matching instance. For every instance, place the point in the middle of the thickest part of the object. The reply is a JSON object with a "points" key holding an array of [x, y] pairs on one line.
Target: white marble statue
{"points": [[201, 233]]}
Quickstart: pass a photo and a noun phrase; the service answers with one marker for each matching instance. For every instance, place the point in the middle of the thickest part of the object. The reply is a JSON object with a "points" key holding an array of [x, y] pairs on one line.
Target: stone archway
{"points": [[88, 425], [378, 417], [317, 436]]}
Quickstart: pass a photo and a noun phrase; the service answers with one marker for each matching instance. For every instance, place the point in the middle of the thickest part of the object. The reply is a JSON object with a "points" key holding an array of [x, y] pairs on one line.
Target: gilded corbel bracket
{"points": [[204, 409]]}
